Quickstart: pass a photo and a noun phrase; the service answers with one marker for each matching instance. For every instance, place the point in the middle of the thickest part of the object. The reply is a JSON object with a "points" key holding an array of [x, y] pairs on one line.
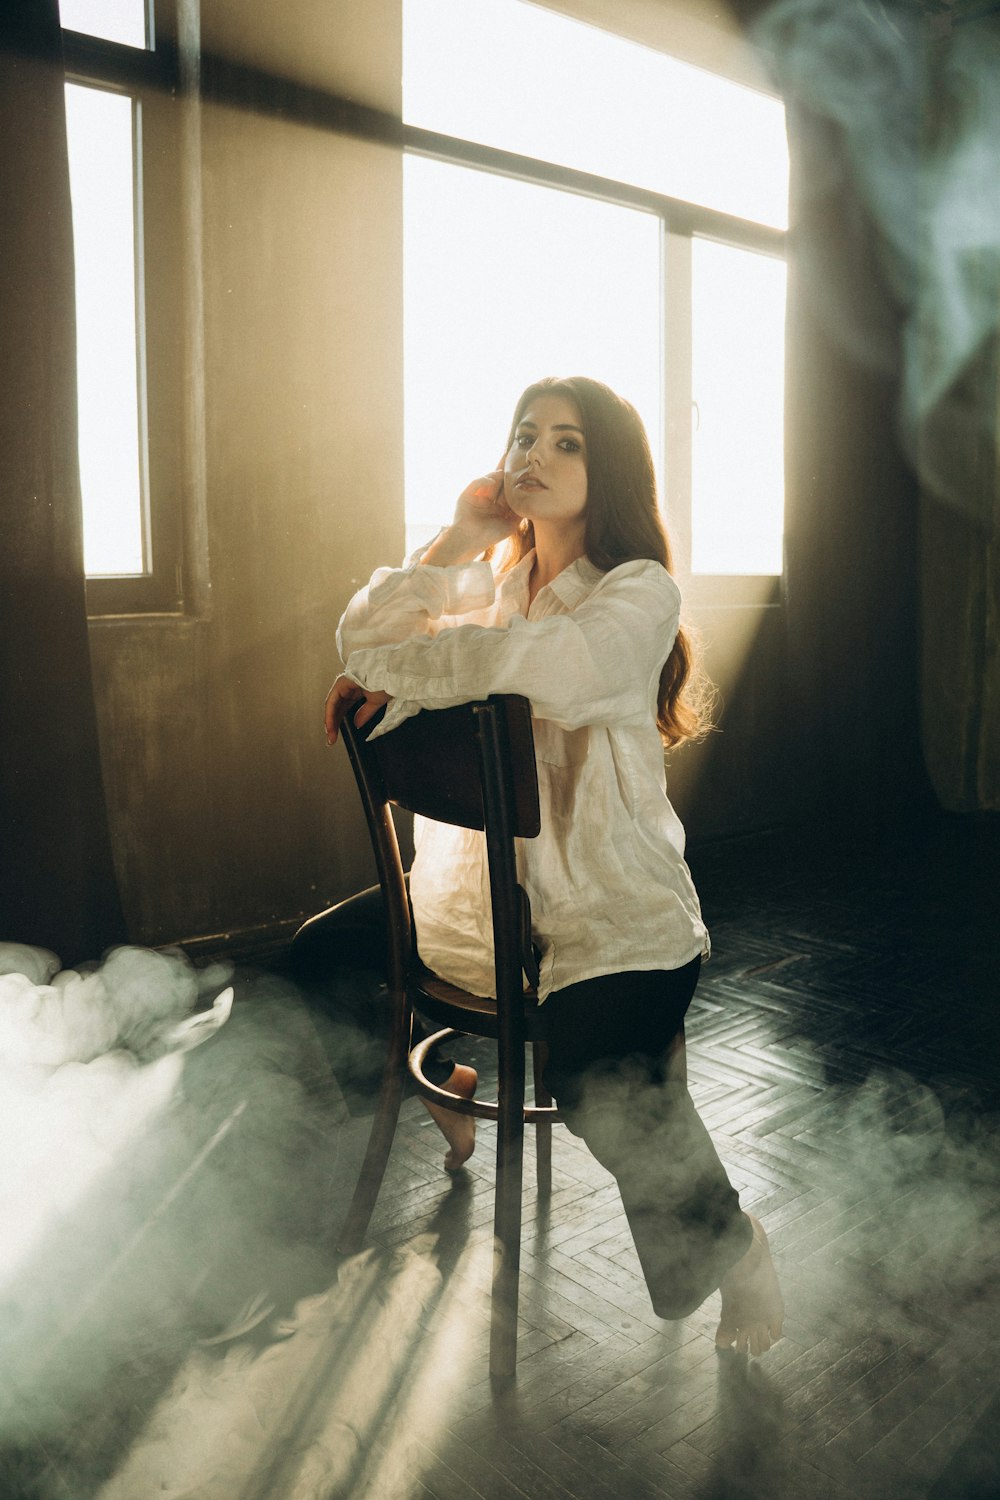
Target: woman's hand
{"points": [[481, 508], [482, 518], [339, 699]]}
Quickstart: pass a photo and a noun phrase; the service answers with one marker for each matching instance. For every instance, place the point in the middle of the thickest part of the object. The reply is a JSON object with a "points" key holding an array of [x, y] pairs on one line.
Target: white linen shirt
{"points": [[606, 877]]}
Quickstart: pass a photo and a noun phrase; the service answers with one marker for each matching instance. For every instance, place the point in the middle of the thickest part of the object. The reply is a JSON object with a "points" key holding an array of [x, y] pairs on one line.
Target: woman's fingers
{"points": [[339, 699], [482, 518], [368, 710], [482, 513], [483, 493]]}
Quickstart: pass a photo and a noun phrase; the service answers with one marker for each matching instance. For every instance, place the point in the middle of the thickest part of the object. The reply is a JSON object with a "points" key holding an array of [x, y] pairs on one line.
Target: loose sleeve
{"points": [[598, 664], [410, 601]]}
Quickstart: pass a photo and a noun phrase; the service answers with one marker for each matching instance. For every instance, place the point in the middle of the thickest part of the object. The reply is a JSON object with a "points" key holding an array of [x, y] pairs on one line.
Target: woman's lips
{"points": [[529, 482]]}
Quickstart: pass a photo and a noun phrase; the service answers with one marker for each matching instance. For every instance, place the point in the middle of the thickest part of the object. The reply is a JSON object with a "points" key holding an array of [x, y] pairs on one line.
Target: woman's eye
{"points": [[570, 445], [523, 440]]}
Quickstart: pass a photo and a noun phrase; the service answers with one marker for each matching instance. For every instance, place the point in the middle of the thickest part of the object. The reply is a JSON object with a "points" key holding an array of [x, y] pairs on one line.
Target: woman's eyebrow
{"points": [[556, 427]]}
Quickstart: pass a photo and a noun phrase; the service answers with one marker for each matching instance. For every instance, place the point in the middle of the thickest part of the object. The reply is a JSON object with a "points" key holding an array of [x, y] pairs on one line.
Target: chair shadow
{"points": [[751, 1460]]}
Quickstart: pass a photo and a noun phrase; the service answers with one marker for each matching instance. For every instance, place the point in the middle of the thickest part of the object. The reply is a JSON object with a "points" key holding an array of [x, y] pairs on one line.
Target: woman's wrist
{"points": [[452, 546]]}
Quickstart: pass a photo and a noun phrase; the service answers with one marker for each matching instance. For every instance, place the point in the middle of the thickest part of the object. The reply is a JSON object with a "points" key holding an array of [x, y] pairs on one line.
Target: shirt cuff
{"points": [[397, 712], [363, 665], [455, 590]]}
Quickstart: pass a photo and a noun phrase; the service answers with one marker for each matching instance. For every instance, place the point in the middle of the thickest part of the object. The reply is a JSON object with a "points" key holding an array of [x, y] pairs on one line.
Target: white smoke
{"points": [[906, 105], [133, 1001], [86, 1061], [156, 1196]]}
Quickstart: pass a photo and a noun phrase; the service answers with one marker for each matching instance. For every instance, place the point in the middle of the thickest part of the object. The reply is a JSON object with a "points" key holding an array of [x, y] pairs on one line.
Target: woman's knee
{"points": [[676, 1304]]}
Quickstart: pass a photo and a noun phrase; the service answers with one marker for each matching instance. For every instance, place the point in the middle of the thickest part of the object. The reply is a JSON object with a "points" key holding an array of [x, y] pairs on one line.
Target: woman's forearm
{"points": [[402, 602], [596, 664], [452, 545]]}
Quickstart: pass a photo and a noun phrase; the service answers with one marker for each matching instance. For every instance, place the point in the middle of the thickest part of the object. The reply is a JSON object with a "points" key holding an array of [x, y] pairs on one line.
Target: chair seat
{"points": [[476, 1015]]}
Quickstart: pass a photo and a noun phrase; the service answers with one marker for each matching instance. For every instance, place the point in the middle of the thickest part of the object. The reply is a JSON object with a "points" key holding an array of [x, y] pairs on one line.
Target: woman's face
{"points": [[545, 471]]}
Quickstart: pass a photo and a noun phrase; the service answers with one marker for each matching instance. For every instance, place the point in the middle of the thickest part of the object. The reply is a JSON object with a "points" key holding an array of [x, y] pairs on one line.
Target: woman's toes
{"points": [[752, 1308], [458, 1130]]}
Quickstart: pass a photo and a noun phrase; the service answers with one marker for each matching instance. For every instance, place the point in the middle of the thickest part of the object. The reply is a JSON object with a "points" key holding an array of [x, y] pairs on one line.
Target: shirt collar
{"points": [[512, 588], [570, 586], [576, 581]]}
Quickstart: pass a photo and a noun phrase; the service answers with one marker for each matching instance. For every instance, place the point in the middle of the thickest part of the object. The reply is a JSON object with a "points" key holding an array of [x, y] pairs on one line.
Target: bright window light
{"points": [[505, 282], [100, 135], [737, 386], [516, 76], [111, 20]]}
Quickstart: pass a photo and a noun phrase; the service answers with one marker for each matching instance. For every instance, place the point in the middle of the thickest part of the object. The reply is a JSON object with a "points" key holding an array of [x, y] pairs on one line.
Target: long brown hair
{"points": [[622, 521]]}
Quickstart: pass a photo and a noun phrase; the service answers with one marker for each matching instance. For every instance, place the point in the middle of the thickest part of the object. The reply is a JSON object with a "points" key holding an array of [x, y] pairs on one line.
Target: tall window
{"points": [[737, 391], [126, 21], [121, 138], [499, 290], [578, 204], [102, 129]]}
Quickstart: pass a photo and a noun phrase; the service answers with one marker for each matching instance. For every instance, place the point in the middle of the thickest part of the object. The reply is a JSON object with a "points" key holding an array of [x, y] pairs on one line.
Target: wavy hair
{"points": [[622, 521]]}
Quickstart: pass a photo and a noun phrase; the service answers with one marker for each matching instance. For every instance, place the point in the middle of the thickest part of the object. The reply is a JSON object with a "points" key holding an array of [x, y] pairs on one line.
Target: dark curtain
{"points": [[854, 117], [852, 605], [57, 881]]}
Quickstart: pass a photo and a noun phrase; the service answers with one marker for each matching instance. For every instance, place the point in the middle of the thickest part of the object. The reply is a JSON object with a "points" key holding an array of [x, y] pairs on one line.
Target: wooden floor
{"points": [[842, 1050]]}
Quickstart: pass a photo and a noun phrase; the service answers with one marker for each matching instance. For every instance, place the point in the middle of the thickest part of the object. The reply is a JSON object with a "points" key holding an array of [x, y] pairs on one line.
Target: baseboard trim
{"points": [[242, 944]]}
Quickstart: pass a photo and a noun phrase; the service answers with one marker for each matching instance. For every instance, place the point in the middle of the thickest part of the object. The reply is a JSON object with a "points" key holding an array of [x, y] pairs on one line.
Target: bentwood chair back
{"points": [[473, 766]]}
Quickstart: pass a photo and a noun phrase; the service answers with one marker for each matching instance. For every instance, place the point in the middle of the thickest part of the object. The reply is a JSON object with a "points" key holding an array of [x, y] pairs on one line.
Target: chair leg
{"points": [[543, 1131], [380, 1140], [507, 1218]]}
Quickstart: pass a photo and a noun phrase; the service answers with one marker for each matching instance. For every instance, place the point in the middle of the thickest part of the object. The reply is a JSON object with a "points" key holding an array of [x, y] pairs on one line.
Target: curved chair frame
{"points": [[473, 766]]}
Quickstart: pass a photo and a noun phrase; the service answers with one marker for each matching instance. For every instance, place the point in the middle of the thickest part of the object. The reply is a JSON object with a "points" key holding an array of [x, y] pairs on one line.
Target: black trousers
{"points": [[608, 1040]]}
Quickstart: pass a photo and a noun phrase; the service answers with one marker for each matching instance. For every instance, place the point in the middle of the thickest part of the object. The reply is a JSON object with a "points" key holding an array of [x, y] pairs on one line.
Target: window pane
{"points": [[737, 385], [99, 130], [505, 282], [112, 20], [516, 76]]}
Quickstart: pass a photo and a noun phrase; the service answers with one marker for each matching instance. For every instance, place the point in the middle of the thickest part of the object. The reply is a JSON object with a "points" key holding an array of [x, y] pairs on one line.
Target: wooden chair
{"points": [[473, 766]]}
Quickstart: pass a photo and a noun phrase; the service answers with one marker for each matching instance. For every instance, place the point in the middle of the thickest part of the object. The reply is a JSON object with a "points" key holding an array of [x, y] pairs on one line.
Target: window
{"points": [[737, 395], [122, 137], [470, 352], [514, 75], [101, 129], [125, 21], [519, 123]]}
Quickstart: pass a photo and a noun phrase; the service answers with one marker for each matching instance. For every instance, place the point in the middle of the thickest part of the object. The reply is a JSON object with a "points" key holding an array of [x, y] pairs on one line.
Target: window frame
{"points": [[151, 78], [156, 78], [680, 223]]}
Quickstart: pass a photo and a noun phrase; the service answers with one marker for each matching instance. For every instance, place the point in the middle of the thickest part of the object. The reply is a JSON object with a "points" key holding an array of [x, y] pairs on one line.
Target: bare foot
{"points": [[458, 1130], [752, 1307]]}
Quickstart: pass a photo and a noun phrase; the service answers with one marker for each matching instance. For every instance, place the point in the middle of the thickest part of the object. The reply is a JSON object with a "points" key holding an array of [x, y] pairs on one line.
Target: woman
{"points": [[581, 616]]}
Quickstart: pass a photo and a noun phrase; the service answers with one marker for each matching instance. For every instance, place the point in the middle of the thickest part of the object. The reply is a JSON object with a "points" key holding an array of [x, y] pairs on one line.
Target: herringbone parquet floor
{"points": [[842, 1050]]}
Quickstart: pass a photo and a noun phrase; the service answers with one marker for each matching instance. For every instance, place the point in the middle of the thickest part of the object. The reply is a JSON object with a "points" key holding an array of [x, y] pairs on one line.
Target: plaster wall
{"points": [[227, 809]]}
